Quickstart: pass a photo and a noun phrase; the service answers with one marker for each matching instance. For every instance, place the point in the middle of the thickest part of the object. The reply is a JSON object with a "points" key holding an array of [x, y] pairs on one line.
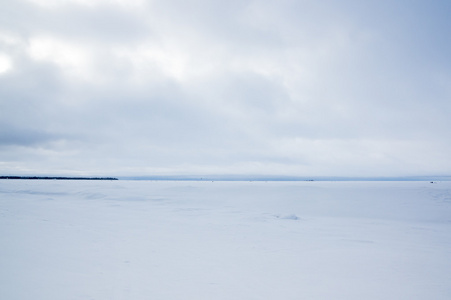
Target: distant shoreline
{"points": [[233, 178], [57, 178]]}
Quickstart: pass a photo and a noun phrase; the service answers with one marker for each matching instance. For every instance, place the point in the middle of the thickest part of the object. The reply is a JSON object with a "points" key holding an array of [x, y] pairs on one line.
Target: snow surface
{"points": [[224, 240]]}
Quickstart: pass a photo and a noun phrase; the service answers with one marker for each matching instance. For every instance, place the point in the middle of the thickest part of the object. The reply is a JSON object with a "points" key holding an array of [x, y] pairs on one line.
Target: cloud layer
{"points": [[307, 88]]}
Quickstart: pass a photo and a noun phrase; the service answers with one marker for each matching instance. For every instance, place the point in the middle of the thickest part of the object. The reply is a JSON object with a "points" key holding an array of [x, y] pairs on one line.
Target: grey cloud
{"points": [[104, 23], [237, 86], [10, 136]]}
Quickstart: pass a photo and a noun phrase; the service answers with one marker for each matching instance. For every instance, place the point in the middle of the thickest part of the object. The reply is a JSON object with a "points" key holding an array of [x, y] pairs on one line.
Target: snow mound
{"points": [[288, 217]]}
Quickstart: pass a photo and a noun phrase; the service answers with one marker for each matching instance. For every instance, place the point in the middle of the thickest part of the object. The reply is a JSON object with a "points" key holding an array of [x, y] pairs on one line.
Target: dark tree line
{"points": [[57, 178]]}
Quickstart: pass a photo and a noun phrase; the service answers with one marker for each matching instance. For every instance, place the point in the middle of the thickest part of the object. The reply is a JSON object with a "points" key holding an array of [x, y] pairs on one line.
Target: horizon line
{"points": [[238, 177]]}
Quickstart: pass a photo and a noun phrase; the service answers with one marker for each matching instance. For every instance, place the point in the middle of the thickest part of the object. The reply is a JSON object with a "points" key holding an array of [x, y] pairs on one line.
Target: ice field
{"points": [[193, 240]]}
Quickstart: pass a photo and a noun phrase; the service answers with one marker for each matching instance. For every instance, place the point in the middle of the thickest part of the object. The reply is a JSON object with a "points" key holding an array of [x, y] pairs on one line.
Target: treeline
{"points": [[57, 178]]}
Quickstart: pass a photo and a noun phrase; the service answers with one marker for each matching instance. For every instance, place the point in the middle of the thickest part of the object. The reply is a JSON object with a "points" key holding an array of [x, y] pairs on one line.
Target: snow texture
{"points": [[168, 240]]}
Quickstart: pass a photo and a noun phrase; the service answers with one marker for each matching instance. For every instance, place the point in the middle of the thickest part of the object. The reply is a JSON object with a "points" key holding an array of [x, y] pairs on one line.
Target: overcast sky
{"points": [[286, 87]]}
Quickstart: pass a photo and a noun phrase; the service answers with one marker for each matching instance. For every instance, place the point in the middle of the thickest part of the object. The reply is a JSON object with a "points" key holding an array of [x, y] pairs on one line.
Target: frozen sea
{"points": [[193, 240]]}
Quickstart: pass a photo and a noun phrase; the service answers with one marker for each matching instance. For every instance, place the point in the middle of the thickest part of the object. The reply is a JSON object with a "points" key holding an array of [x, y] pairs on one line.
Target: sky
{"points": [[172, 87]]}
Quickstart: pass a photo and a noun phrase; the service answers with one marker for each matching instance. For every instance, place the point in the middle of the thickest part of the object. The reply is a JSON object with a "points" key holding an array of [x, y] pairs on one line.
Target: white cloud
{"points": [[71, 58], [5, 63]]}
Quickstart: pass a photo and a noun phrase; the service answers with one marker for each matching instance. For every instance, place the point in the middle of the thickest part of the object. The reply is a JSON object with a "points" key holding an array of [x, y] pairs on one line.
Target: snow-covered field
{"points": [[164, 240]]}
